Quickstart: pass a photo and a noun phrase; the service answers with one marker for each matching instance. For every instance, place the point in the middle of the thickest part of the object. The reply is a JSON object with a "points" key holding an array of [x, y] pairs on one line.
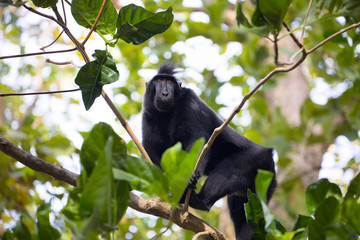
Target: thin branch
{"points": [[304, 23], [42, 48], [38, 53], [355, 25], [152, 206], [38, 93], [41, 14], [126, 125], [62, 63], [96, 20]]}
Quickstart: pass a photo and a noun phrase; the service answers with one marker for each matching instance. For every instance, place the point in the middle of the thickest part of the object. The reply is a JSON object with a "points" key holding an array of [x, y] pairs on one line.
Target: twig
{"points": [[38, 93], [126, 125], [38, 53], [62, 63], [96, 20], [42, 48], [355, 25], [304, 23]]}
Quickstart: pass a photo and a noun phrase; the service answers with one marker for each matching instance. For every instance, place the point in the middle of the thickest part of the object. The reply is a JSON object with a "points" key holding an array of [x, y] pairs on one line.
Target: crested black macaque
{"points": [[172, 113]]}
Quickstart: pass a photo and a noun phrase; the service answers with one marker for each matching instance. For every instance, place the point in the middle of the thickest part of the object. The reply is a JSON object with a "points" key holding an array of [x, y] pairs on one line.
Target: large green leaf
{"points": [[143, 176], [86, 11], [328, 212], [96, 195], [274, 12], [95, 143], [318, 191], [178, 166], [136, 25], [254, 213], [94, 75], [262, 182], [45, 230]]}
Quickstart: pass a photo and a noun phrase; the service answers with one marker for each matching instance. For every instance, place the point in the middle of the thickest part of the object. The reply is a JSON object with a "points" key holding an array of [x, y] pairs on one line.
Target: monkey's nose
{"points": [[165, 94]]}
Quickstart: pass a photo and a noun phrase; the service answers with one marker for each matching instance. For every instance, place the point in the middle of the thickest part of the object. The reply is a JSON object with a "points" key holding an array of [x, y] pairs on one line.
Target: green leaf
{"points": [[20, 230], [240, 17], [44, 3], [136, 25], [95, 143], [45, 230], [300, 226], [262, 182], [301, 221], [274, 12], [86, 11], [97, 191], [254, 213], [143, 176], [94, 75], [351, 213], [178, 167], [354, 188], [318, 191], [340, 231], [328, 212]]}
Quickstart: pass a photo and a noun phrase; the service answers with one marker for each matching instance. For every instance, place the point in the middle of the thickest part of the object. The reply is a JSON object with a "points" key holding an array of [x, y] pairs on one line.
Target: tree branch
{"points": [[152, 206], [37, 164]]}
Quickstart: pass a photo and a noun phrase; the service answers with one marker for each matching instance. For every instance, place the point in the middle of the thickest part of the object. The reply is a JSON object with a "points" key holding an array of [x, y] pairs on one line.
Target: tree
{"points": [[325, 44]]}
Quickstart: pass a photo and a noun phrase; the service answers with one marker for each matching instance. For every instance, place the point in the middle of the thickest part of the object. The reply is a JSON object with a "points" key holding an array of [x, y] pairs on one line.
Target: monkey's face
{"points": [[164, 92], [165, 95]]}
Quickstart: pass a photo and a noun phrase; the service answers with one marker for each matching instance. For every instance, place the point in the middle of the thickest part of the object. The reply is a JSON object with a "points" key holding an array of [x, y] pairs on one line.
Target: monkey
{"points": [[171, 114]]}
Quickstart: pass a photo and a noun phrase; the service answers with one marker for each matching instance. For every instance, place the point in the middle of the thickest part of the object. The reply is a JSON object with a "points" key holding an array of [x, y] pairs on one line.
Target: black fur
{"points": [[172, 113]]}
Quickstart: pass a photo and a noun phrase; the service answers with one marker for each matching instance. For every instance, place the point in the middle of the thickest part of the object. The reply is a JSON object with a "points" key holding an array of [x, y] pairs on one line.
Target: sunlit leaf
{"points": [[143, 176], [94, 75], [136, 25], [274, 12], [95, 143], [178, 166], [318, 191], [86, 11]]}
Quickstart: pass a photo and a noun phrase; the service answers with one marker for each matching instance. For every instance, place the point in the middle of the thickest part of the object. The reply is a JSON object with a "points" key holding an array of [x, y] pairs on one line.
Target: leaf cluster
{"points": [[332, 215]]}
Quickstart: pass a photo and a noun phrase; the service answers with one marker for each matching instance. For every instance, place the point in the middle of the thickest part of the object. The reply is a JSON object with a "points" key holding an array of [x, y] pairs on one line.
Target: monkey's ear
{"points": [[180, 84], [146, 84]]}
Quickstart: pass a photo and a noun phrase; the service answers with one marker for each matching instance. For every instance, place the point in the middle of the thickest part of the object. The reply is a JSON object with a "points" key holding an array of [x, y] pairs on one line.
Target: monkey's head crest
{"points": [[167, 71]]}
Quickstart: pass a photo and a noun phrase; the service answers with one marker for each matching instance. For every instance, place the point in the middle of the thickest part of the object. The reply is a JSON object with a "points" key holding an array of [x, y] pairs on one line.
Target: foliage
{"points": [[111, 167], [329, 209]]}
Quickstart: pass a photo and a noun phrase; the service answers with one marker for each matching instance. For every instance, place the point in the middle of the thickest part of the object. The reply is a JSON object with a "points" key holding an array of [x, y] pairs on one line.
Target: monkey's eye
{"points": [[159, 80], [169, 81]]}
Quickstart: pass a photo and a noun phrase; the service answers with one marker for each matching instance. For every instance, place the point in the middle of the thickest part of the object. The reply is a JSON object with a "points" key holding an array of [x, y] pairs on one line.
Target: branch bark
{"points": [[152, 206]]}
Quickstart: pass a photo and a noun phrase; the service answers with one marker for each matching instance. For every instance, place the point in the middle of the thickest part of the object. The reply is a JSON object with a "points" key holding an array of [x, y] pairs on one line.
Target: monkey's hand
{"points": [[195, 202]]}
